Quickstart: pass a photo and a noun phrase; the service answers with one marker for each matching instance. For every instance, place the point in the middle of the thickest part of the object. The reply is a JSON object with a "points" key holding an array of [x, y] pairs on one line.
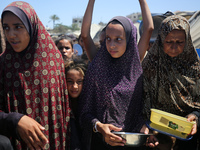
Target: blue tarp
{"points": [[198, 52]]}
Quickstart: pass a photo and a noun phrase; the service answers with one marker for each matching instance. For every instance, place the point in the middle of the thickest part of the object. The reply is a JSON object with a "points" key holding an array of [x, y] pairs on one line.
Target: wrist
{"points": [[95, 127]]}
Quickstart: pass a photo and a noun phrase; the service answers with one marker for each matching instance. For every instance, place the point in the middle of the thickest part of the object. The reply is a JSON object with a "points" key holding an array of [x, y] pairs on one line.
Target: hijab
{"points": [[2, 39], [112, 89], [34, 83], [172, 83]]}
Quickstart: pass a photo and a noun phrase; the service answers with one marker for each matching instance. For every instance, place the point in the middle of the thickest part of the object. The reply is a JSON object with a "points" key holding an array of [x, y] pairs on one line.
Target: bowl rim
{"points": [[130, 133]]}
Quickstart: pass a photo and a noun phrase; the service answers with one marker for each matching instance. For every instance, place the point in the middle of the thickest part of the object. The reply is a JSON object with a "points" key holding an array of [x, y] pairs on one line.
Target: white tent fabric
{"points": [[195, 29]]}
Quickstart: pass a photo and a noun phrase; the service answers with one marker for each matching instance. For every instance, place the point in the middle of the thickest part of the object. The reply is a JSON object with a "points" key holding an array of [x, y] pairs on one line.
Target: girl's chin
{"points": [[74, 96], [18, 51]]}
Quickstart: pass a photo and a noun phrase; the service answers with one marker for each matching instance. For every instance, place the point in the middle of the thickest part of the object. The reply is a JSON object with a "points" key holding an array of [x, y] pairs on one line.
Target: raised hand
{"points": [[90, 47], [148, 27]]}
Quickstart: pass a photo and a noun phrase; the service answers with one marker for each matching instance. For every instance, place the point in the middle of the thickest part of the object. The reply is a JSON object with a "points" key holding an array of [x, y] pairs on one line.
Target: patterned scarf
{"points": [[112, 90], [34, 83], [172, 84], [2, 40]]}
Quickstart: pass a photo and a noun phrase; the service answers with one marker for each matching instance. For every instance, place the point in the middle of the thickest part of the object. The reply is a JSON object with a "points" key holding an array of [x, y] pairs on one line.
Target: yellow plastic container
{"points": [[171, 121], [169, 131]]}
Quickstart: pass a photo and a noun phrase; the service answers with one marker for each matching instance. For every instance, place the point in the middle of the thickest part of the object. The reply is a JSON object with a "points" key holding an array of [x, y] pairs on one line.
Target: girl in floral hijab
{"points": [[171, 77], [33, 78]]}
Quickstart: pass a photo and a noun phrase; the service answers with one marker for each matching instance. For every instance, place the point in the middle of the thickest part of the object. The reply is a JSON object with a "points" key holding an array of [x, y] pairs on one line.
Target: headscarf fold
{"points": [[34, 84], [21, 15], [2, 39], [112, 90], [172, 84]]}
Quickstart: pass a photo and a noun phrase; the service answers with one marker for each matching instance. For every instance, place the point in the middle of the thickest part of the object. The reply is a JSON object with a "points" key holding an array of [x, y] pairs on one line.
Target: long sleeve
{"points": [[8, 123], [197, 113]]}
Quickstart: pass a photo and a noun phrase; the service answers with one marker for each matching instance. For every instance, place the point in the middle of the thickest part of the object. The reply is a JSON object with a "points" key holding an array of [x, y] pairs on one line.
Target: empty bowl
{"points": [[133, 139]]}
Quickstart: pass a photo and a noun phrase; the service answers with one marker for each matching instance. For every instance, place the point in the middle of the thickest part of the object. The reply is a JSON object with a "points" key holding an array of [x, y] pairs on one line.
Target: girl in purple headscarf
{"points": [[111, 99]]}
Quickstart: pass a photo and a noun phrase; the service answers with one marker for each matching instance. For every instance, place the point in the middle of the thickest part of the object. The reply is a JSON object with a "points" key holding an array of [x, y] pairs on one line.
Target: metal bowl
{"points": [[133, 139]]}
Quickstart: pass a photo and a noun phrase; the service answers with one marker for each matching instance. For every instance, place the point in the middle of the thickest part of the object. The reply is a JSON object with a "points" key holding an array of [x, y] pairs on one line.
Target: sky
{"points": [[104, 10]]}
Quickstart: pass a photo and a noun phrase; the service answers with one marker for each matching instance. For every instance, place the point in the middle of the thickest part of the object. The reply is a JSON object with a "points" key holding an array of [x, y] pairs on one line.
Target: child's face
{"points": [[65, 48], [74, 82], [15, 32], [115, 40]]}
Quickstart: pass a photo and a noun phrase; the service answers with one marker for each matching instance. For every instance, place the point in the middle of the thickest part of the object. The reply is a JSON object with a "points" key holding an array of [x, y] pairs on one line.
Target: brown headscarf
{"points": [[172, 84]]}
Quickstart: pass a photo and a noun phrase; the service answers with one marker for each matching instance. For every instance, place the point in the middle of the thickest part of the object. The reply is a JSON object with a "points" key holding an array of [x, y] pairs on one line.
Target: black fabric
{"points": [[8, 123], [5, 143], [187, 145], [197, 113], [75, 143]]}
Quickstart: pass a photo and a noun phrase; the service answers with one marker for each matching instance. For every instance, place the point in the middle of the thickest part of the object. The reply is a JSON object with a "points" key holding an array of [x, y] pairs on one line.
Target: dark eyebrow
{"points": [[70, 78], [116, 36], [16, 24]]}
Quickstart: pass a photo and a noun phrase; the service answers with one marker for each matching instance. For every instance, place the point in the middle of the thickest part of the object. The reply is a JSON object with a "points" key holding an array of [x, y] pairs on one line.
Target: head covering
{"points": [[112, 90], [126, 25], [172, 83], [2, 39], [34, 84], [21, 15], [157, 20]]}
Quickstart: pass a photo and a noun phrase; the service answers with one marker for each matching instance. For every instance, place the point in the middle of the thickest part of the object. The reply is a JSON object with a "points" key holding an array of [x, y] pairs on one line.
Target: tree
{"points": [[59, 28], [74, 27], [54, 18]]}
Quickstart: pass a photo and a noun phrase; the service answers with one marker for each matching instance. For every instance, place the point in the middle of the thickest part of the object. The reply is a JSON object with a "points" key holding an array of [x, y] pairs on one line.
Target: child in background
{"points": [[75, 71], [65, 46]]}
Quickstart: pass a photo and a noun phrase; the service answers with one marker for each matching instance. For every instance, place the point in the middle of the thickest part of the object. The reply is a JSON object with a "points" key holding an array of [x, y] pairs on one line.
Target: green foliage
{"points": [[59, 28], [54, 18], [74, 27]]}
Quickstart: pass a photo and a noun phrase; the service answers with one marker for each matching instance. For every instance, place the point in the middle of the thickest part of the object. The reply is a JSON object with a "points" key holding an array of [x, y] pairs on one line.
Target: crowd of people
{"points": [[53, 98]]}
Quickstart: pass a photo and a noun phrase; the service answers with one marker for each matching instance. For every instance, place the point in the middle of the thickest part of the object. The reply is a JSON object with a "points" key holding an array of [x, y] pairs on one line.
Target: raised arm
{"points": [[147, 29], [85, 31]]}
